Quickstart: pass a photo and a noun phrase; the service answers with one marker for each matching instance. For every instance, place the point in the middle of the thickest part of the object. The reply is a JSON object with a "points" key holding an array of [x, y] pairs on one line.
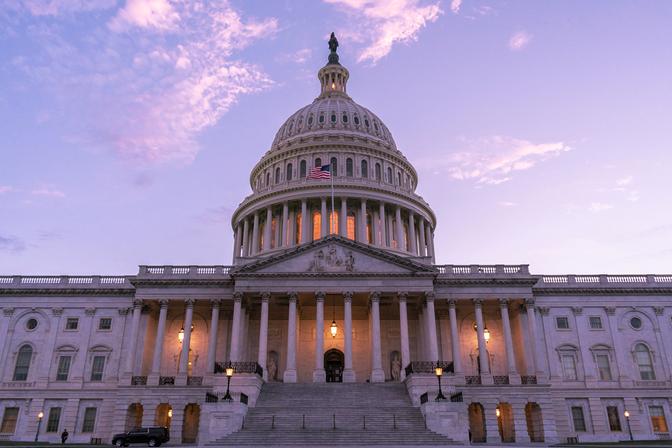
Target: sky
{"points": [[541, 131]]}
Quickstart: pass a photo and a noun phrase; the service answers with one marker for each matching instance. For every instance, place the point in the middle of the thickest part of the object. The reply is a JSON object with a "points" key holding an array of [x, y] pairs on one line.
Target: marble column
{"points": [[263, 334], [400, 229], [158, 347], [344, 218], [482, 346], [235, 327], [268, 227], [284, 233], [375, 230], [430, 315], [290, 371], [377, 373], [514, 378], [411, 233], [532, 329], [383, 225], [362, 222], [403, 333], [430, 243], [237, 242], [135, 326], [254, 247], [324, 220], [184, 357], [390, 230], [348, 373], [291, 236], [455, 338], [212, 339], [304, 221], [319, 375], [421, 234], [246, 237]]}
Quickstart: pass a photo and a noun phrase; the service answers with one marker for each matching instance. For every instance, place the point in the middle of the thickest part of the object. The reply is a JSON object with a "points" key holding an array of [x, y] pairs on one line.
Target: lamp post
{"points": [[229, 374], [40, 415], [438, 370], [627, 422]]}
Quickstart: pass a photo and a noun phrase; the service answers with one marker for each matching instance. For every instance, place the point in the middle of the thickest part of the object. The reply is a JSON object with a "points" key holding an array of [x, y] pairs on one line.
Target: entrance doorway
{"points": [[334, 361]]}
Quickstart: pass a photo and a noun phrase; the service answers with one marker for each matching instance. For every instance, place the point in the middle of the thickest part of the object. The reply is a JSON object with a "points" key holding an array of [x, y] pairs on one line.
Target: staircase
{"points": [[333, 414]]}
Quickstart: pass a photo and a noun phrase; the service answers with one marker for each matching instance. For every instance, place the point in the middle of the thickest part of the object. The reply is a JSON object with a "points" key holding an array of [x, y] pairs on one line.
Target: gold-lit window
{"points": [[299, 228], [317, 225], [333, 223], [261, 236], [351, 227]]}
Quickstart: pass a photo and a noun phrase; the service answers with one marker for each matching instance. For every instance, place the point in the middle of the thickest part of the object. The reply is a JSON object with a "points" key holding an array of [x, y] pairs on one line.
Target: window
{"points": [[105, 323], [578, 419], [350, 227], [268, 179], [277, 175], [569, 366], [321, 120], [562, 323], [366, 122], [348, 167], [289, 171], [644, 362], [302, 169], [318, 162], [9, 420], [299, 228], [595, 322], [317, 225], [378, 172], [97, 368], [53, 419], [310, 120], [365, 169], [356, 120], [399, 178], [63, 368], [345, 118], [389, 175], [72, 323], [31, 324], [658, 421], [23, 363], [613, 418], [334, 166], [603, 367], [333, 118], [636, 323], [89, 419]]}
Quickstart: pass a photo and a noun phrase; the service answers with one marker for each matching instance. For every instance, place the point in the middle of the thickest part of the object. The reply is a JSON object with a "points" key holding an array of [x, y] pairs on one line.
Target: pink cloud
{"points": [[48, 192], [151, 14], [6, 189], [519, 40]]}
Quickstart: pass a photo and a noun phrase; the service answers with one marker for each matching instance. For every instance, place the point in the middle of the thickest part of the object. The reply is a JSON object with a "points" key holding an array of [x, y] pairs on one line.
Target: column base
{"points": [[289, 376], [319, 376], [486, 379], [377, 376], [514, 378], [153, 379], [349, 376], [181, 379]]}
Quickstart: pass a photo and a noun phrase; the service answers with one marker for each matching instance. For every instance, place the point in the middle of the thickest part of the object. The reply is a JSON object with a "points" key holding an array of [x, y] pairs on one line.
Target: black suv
{"points": [[154, 436]]}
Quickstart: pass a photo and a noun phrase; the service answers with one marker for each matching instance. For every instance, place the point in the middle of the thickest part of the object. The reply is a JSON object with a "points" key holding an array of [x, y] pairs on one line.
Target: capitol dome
{"points": [[368, 194]]}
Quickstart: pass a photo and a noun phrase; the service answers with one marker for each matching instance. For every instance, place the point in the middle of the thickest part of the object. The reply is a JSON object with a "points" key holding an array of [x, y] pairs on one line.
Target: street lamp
{"points": [[229, 374], [39, 423], [438, 370], [334, 328], [626, 413], [180, 334]]}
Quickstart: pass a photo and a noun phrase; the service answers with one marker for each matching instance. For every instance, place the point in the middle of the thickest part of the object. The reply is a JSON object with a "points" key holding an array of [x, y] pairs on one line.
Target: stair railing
{"points": [[364, 421], [272, 421], [303, 423]]}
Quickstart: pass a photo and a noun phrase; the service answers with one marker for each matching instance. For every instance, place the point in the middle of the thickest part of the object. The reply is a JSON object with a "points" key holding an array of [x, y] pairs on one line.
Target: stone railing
{"points": [[65, 281], [194, 381], [528, 379], [138, 381], [240, 367], [459, 270], [427, 367], [472, 380], [604, 280], [183, 271], [500, 380], [166, 381]]}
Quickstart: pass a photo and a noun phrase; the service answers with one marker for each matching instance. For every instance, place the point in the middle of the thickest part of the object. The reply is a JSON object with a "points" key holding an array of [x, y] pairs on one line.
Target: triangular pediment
{"points": [[335, 254]]}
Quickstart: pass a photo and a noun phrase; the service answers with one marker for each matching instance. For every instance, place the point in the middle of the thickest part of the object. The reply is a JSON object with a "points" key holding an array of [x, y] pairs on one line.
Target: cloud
{"points": [[494, 160], [455, 6], [298, 57], [6, 189], [11, 244], [383, 23], [147, 81], [519, 40], [48, 192], [597, 207]]}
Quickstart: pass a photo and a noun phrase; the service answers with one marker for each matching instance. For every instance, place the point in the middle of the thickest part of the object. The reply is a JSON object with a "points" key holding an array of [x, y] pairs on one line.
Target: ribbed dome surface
{"points": [[336, 115]]}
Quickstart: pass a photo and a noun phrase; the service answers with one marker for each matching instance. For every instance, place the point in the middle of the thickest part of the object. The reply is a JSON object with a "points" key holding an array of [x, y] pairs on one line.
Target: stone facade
{"points": [[526, 357]]}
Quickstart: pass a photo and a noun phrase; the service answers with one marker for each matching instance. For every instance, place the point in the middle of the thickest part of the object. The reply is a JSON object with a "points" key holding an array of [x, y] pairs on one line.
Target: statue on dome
{"points": [[333, 46]]}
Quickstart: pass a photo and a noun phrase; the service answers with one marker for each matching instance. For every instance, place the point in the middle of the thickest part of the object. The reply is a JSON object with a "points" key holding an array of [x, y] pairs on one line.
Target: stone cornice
{"points": [[602, 291], [492, 281], [56, 291]]}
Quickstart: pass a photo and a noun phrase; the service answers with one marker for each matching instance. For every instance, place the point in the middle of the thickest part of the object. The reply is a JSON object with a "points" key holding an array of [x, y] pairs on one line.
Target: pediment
{"points": [[335, 255]]}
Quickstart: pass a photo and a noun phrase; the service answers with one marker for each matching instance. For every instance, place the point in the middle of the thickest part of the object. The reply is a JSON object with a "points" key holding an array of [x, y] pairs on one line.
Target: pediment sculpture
{"points": [[332, 259]]}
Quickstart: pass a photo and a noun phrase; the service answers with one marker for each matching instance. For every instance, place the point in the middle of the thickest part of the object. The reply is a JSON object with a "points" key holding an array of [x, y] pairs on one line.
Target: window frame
{"points": [[599, 320], [303, 169], [63, 375], [100, 324], [27, 357], [54, 418], [85, 428], [601, 354], [567, 354], [558, 327], [650, 363], [616, 414], [93, 368], [69, 321], [662, 416], [574, 418], [349, 167], [289, 174], [4, 423]]}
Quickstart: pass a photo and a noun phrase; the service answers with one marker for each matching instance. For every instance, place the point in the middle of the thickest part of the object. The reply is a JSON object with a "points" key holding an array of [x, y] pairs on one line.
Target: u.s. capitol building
{"points": [[332, 319]]}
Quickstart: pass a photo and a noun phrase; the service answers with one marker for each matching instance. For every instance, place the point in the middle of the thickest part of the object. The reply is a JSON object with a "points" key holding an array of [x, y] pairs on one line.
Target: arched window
{"points": [[399, 178], [268, 179], [334, 166], [348, 167], [302, 169], [290, 168], [277, 175], [318, 162], [23, 363], [365, 169], [389, 175], [644, 362], [378, 172]]}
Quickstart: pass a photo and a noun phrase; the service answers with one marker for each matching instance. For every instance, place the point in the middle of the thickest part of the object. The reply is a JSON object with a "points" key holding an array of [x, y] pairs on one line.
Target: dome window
{"points": [[356, 120], [334, 166], [268, 179], [345, 118], [321, 118], [302, 169], [389, 175], [375, 125], [289, 172], [310, 120], [333, 118], [365, 169], [318, 162], [378, 172], [366, 122], [348, 167], [277, 175]]}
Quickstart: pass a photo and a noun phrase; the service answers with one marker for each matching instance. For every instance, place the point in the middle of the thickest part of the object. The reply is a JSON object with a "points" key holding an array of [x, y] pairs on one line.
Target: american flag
{"points": [[320, 172]]}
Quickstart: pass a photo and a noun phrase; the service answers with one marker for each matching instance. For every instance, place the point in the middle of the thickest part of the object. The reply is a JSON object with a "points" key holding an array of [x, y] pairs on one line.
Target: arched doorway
{"points": [[505, 423], [192, 414], [134, 416], [334, 361], [535, 422], [476, 423], [164, 413]]}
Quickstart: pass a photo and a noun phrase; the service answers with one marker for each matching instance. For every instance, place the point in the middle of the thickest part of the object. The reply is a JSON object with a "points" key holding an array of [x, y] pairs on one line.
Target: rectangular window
{"points": [[350, 228], [63, 368], [89, 419], [97, 368], [614, 418], [603, 366], [54, 419], [595, 322], [658, 421], [569, 367], [9, 420], [577, 418], [105, 323], [72, 323], [562, 323]]}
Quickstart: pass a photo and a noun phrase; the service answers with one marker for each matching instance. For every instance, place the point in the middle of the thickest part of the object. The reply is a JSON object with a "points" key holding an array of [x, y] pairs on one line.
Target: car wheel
{"points": [[152, 442], [118, 442]]}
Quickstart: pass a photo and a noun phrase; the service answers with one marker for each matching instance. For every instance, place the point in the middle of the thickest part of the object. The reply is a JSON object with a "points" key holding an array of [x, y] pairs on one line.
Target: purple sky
{"points": [[541, 131]]}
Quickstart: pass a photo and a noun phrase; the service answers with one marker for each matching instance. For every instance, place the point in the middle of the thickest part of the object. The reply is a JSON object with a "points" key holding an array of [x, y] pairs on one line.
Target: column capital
{"points": [[402, 296], [8, 312], [293, 296], [189, 303], [659, 310], [429, 296], [529, 302], [137, 303], [215, 302], [375, 296], [543, 310], [90, 311], [347, 296], [577, 310], [478, 302], [163, 303], [320, 295], [452, 303], [610, 310], [265, 296], [122, 311], [237, 296], [503, 303]]}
